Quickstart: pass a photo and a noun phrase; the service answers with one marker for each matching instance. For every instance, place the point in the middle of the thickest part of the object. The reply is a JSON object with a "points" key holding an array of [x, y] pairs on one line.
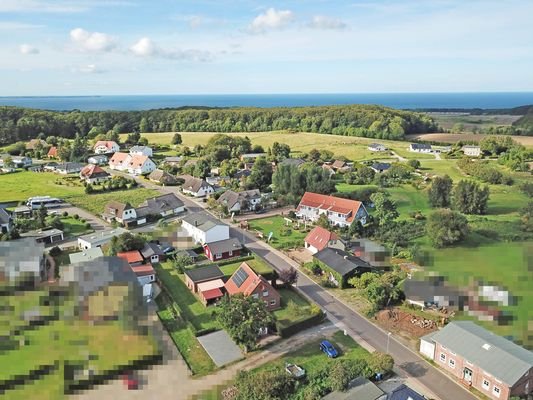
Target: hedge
{"points": [[234, 260], [290, 330]]}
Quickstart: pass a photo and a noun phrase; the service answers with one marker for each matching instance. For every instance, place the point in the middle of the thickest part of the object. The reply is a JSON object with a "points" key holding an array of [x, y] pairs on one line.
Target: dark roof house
{"points": [[162, 177], [404, 392], [166, 204], [344, 264], [204, 274]]}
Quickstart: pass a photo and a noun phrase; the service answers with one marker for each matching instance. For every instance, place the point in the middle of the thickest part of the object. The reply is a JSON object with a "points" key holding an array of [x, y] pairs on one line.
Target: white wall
{"points": [[427, 349]]}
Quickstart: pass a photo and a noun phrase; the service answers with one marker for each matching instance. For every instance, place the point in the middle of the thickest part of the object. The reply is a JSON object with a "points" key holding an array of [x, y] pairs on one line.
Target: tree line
{"points": [[18, 124]]}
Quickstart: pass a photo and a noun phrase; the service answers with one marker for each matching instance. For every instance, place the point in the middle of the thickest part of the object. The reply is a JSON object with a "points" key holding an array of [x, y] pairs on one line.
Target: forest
{"points": [[20, 124]]}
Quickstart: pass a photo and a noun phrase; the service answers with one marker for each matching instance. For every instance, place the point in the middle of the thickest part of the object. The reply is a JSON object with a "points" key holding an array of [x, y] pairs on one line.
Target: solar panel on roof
{"points": [[239, 277]]}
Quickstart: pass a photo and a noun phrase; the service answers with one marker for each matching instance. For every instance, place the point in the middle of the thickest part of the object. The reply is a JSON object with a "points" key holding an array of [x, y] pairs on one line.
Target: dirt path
{"points": [[397, 156]]}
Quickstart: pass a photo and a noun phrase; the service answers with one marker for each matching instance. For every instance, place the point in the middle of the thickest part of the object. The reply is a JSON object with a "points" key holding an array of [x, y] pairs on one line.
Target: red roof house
{"points": [[133, 257], [320, 238], [247, 282], [92, 173], [52, 153], [339, 211]]}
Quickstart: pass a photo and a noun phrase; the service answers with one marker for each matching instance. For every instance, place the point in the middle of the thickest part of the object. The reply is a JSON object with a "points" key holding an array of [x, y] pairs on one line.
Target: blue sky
{"points": [[83, 47]]}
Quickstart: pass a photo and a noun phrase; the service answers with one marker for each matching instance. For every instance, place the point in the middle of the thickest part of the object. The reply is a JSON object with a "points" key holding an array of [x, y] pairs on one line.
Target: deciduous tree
{"points": [[445, 227]]}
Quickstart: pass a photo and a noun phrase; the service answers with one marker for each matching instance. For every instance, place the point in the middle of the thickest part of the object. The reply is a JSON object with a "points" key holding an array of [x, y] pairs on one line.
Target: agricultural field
{"points": [[468, 122]]}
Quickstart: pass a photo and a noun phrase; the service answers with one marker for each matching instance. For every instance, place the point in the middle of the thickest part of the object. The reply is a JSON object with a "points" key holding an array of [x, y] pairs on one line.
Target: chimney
{"points": [[195, 223]]}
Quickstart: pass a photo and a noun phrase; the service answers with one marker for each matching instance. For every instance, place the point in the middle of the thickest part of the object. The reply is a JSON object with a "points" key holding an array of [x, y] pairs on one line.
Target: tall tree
{"points": [[261, 176], [176, 139], [386, 211], [445, 227], [440, 192], [470, 198]]}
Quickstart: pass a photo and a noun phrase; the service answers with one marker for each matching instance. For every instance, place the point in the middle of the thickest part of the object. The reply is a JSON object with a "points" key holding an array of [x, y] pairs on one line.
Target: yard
{"points": [[294, 237], [295, 308], [74, 227], [258, 265]]}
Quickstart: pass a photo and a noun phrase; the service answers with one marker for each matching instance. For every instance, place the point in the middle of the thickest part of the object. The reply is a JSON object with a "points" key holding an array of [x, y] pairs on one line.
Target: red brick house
{"points": [[320, 238], [247, 282], [495, 366], [223, 249]]}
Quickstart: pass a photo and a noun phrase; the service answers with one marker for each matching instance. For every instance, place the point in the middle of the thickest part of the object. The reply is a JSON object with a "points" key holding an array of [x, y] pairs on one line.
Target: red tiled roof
{"points": [[249, 285], [143, 270], [320, 237], [107, 143], [131, 256], [212, 294], [91, 169], [52, 152], [138, 160], [330, 203], [119, 158]]}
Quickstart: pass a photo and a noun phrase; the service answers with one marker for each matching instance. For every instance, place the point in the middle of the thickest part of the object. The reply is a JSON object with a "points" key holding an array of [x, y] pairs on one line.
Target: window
{"points": [[496, 391], [272, 302], [218, 255], [442, 357], [230, 253], [255, 296], [451, 363], [486, 384], [265, 293]]}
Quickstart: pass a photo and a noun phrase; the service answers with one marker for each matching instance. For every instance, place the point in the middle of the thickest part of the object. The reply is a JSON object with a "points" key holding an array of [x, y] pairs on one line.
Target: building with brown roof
{"points": [[93, 174], [35, 143], [106, 146], [247, 282], [196, 187], [52, 152], [340, 212], [163, 178], [320, 238], [120, 212], [133, 257]]}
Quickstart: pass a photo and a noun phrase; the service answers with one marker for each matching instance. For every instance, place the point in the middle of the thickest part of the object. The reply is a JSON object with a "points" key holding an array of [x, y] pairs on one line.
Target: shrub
{"points": [[76, 216], [65, 214], [87, 225], [55, 251]]}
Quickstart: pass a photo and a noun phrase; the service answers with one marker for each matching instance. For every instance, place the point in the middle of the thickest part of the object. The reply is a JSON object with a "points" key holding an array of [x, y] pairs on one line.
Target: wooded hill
{"points": [[353, 120]]}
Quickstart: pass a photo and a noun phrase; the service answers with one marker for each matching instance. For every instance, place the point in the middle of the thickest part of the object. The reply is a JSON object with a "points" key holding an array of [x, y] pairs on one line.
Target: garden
{"points": [[284, 235]]}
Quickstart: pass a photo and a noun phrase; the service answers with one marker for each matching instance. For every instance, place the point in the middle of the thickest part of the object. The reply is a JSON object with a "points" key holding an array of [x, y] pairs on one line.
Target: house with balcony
{"points": [[247, 200], [106, 146], [340, 212]]}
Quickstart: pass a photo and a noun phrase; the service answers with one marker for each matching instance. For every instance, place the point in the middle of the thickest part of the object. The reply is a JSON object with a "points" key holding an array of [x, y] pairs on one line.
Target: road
{"points": [[409, 363]]}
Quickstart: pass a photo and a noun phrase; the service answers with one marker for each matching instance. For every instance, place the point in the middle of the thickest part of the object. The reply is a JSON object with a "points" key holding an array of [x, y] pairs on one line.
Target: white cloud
{"points": [[17, 26], [146, 47], [92, 41], [28, 49], [57, 6], [327, 23], [271, 19], [89, 69]]}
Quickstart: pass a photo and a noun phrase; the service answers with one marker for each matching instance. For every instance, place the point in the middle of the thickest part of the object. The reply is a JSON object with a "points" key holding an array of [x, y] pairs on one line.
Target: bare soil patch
{"points": [[406, 324]]}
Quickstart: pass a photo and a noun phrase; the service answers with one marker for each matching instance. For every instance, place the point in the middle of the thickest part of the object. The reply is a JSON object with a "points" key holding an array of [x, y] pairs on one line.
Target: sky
{"points": [[91, 47]]}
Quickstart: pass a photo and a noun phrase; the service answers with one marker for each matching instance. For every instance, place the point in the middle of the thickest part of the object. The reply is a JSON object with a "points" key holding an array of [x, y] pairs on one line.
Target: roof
{"points": [[139, 148], [137, 160], [102, 236], [131, 256], [116, 208], [86, 255], [224, 246], [292, 161], [107, 143], [202, 274], [252, 155], [143, 270], [331, 203], [420, 146], [471, 147], [150, 249], [212, 294], [494, 354], [242, 173], [376, 145], [209, 285], [404, 392], [119, 158], [360, 388], [244, 280], [93, 171], [202, 221], [163, 203], [229, 198], [193, 184], [5, 218], [161, 176], [338, 164], [42, 233], [380, 166], [174, 159], [341, 261], [52, 152], [319, 237], [69, 166]]}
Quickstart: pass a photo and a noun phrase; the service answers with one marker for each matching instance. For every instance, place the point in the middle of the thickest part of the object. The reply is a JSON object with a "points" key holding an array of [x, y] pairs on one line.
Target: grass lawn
{"points": [[343, 187], [74, 227], [290, 315], [95, 203], [193, 310], [258, 265], [408, 199], [275, 224], [442, 167]]}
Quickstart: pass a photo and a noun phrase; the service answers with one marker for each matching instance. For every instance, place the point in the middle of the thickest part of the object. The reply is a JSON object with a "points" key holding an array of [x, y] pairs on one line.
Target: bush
{"points": [[76, 216], [65, 214], [87, 225], [55, 251], [446, 227]]}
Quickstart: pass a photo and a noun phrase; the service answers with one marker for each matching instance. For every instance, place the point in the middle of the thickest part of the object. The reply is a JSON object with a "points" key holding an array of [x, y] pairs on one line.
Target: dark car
{"points": [[328, 348]]}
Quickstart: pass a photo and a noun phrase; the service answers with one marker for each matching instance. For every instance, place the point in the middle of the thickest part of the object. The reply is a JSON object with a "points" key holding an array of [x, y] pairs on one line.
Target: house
{"points": [[22, 212], [141, 151], [404, 392], [319, 238], [105, 147], [119, 161], [252, 156], [45, 235], [98, 159], [296, 162], [145, 274], [195, 276], [204, 228], [471, 151], [358, 389], [165, 205], [241, 174], [377, 147], [433, 291], [244, 280], [495, 366], [21, 258], [338, 165], [18, 161], [120, 212], [217, 181], [52, 152], [98, 239], [35, 143], [173, 161], [223, 249], [341, 265], [373, 253], [152, 253], [196, 187], [163, 178], [247, 200], [6, 221], [132, 257], [420, 147], [380, 167], [86, 255], [140, 165], [68, 168], [93, 174], [340, 212], [190, 163]]}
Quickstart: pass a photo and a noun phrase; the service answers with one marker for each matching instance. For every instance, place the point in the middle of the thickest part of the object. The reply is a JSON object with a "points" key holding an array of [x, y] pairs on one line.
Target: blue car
{"points": [[328, 348]]}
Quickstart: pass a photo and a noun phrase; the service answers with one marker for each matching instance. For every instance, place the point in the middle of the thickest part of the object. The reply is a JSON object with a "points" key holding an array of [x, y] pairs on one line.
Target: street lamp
{"points": [[388, 340]]}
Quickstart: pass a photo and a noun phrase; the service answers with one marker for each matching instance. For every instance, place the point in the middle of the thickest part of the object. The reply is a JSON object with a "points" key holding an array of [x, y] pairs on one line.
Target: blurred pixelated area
{"points": [[62, 337]]}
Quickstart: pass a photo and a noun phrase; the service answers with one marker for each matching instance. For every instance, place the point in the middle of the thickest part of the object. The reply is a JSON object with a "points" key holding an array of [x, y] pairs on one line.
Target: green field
{"points": [[288, 315], [275, 225], [20, 186], [74, 227]]}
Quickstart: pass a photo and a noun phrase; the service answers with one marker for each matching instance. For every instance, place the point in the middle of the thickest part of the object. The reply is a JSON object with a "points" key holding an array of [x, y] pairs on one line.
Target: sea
{"points": [[487, 100]]}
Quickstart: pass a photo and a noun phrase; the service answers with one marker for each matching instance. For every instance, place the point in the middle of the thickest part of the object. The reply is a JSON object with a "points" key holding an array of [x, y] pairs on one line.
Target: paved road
{"points": [[409, 363]]}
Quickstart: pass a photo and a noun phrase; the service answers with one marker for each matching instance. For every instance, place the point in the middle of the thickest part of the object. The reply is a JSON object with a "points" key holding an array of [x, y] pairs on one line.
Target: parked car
{"points": [[130, 381], [168, 250], [328, 348]]}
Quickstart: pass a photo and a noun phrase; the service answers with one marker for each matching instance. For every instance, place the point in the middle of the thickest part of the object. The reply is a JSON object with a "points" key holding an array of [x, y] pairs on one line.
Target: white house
{"points": [[141, 151], [471, 151], [133, 164], [120, 212], [106, 146], [420, 148], [18, 161], [98, 160], [340, 212], [97, 239], [204, 228], [247, 200], [377, 147], [196, 187]]}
